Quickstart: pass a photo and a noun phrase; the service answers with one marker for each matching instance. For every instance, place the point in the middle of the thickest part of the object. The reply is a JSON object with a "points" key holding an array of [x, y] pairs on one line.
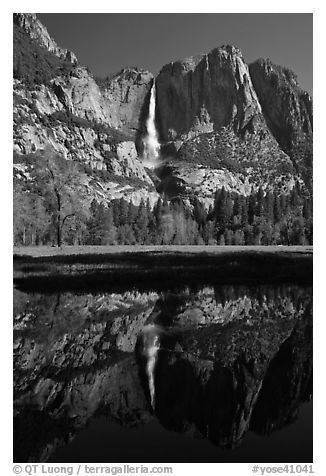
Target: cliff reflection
{"points": [[209, 363]]}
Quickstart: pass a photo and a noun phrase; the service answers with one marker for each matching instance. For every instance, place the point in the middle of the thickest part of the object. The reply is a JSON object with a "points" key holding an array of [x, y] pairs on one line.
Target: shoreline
{"points": [[159, 267]]}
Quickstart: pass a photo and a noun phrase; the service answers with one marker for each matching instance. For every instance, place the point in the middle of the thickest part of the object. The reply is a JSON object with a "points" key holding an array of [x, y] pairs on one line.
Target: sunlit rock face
{"points": [[126, 97], [36, 30], [80, 96], [137, 356], [221, 159], [95, 122], [38, 126], [117, 101], [210, 122]]}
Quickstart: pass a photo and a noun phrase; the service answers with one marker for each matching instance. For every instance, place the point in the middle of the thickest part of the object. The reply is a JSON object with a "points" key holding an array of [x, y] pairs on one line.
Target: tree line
{"points": [[50, 209], [260, 219]]}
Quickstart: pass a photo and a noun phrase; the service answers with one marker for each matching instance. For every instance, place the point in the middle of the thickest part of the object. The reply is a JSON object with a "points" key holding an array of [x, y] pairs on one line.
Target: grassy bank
{"points": [[162, 268], [44, 251]]}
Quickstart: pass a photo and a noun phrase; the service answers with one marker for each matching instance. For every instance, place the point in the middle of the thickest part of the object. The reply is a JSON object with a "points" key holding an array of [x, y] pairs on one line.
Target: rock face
{"points": [[286, 107], [34, 28], [127, 96], [222, 159], [117, 103], [288, 113], [80, 96], [204, 93], [225, 128], [97, 123], [220, 122], [41, 120], [73, 117]]}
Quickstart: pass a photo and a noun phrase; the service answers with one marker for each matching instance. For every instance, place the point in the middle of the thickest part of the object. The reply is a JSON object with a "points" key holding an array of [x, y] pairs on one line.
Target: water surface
{"points": [[201, 374]]}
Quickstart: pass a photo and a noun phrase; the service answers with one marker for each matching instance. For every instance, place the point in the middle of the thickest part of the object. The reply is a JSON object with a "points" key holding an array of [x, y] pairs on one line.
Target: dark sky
{"points": [[110, 41]]}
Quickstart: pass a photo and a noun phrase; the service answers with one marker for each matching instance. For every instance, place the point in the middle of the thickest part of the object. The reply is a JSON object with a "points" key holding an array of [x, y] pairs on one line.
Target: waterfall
{"points": [[150, 141]]}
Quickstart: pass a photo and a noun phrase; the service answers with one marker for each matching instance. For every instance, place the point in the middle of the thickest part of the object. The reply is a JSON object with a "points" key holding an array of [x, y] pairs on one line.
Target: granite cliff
{"points": [[221, 123], [205, 93], [34, 28], [222, 126], [94, 123]]}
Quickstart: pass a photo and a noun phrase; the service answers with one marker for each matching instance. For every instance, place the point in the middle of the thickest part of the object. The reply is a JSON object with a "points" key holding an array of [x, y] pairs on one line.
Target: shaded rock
{"points": [[286, 107], [204, 93]]}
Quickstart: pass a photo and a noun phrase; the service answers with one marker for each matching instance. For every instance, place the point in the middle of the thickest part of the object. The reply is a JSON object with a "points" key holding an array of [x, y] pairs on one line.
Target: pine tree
{"points": [[157, 212], [125, 235], [277, 209], [151, 227], [284, 204], [244, 213], [109, 231], [257, 233], [132, 214], [269, 207], [123, 211], [223, 210], [217, 198], [237, 205], [92, 223], [208, 233], [199, 212], [228, 237], [115, 206], [210, 213], [306, 209], [259, 209], [238, 238], [251, 208], [249, 235], [294, 197], [141, 225], [100, 226]]}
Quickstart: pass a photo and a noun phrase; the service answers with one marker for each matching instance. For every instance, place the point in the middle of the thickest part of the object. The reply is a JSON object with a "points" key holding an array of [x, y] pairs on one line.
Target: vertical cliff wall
{"points": [[204, 93]]}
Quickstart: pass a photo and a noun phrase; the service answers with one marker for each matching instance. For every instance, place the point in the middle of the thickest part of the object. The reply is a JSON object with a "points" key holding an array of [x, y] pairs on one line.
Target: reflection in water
{"points": [[216, 365], [151, 345]]}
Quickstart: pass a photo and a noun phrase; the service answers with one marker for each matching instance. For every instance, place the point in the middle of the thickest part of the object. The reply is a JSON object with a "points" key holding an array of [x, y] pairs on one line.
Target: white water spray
{"points": [[150, 141]]}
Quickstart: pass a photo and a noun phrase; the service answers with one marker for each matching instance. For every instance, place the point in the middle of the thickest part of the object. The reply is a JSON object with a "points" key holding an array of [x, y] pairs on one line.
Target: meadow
{"points": [[48, 269]]}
